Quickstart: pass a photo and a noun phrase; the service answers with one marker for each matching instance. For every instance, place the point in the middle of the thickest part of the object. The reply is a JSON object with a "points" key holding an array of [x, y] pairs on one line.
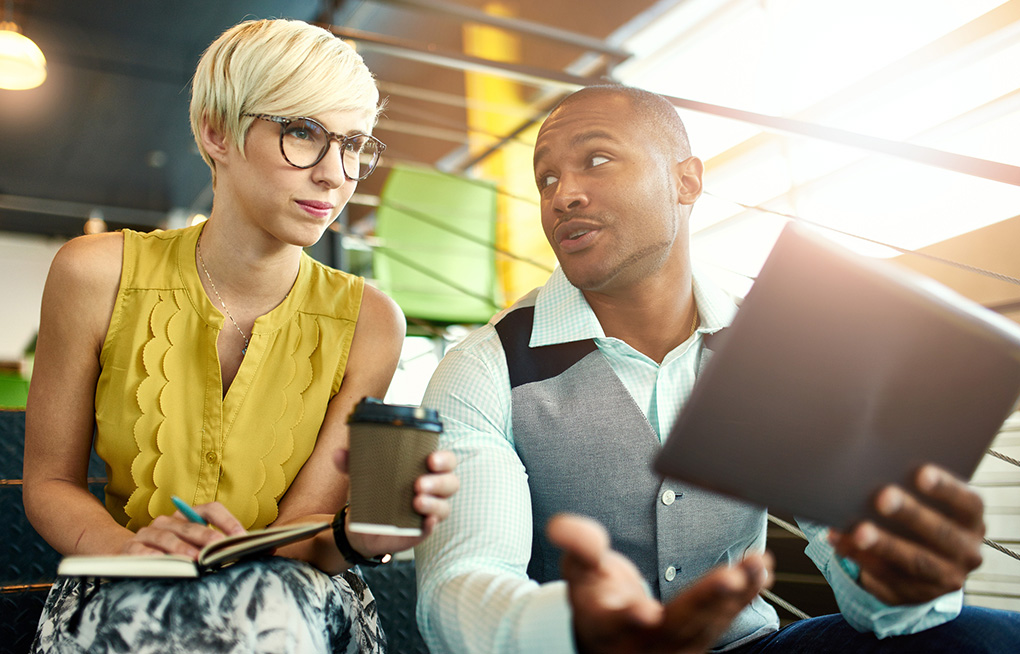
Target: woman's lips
{"points": [[318, 209]]}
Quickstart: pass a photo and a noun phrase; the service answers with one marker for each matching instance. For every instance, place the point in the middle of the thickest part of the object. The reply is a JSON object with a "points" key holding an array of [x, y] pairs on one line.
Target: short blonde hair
{"points": [[279, 67]]}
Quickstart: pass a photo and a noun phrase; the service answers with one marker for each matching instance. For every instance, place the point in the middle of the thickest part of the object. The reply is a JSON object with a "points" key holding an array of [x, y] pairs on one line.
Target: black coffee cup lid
{"points": [[372, 409]]}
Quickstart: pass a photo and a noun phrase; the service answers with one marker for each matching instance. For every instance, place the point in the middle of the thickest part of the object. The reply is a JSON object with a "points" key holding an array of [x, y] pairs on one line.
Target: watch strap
{"points": [[347, 551]]}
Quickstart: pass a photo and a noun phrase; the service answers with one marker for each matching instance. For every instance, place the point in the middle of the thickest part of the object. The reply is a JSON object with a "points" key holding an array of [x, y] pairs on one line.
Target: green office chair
{"points": [[435, 258]]}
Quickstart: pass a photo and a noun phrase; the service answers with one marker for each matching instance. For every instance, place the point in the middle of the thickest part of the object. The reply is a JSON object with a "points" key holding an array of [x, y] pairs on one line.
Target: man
{"points": [[559, 404]]}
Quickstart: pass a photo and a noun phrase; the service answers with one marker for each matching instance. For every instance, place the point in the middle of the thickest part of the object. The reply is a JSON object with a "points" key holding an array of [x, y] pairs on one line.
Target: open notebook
{"points": [[213, 556], [840, 374]]}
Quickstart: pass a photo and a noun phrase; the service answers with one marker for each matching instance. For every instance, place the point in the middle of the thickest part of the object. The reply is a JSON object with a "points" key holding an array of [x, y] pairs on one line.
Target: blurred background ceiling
{"points": [[108, 130], [885, 90]]}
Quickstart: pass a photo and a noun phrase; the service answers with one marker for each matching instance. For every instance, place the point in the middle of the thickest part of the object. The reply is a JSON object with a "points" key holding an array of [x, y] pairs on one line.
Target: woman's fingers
{"points": [[442, 483], [175, 534], [220, 517]]}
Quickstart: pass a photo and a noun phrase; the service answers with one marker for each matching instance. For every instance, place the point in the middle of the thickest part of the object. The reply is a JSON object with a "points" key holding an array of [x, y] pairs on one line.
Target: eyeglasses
{"points": [[305, 141]]}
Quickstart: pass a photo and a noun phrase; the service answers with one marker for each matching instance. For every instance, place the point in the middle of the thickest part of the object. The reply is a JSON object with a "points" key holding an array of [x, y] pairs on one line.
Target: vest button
{"points": [[670, 573], [210, 457], [668, 497]]}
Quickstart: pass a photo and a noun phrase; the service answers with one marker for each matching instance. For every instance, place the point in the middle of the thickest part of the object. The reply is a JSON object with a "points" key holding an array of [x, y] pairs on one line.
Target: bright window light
{"points": [[935, 73]]}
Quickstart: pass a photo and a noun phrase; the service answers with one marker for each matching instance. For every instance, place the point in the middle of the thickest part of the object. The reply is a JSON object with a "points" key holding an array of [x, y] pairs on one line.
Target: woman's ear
{"points": [[214, 142], [688, 179]]}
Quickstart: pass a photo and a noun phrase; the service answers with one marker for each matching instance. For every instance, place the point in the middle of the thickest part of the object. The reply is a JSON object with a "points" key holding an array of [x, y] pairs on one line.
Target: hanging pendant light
{"points": [[22, 64]]}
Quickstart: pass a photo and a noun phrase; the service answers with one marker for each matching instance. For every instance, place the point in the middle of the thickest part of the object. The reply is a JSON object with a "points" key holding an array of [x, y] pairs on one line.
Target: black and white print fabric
{"points": [[272, 605]]}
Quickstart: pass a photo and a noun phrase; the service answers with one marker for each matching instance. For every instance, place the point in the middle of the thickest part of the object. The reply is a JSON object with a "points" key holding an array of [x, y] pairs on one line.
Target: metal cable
{"points": [[924, 255], [1004, 550], [1003, 457], [425, 218], [787, 526], [987, 541], [779, 601], [433, 275]]}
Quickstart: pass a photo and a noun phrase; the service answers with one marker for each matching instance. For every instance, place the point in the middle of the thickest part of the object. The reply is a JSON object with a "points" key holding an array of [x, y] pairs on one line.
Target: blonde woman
{"points": [[218, 363]]}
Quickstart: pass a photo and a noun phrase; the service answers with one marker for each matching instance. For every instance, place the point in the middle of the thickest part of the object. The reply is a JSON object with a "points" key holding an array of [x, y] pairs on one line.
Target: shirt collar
{"points": [[562, 315]]}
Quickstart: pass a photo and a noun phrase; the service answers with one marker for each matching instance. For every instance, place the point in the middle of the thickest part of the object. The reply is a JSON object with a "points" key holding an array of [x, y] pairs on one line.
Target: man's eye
{"points": [[598, 160], [546, 180]]}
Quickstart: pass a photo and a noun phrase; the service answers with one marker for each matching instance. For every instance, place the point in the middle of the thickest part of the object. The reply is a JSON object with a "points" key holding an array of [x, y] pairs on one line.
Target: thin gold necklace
{"points": [[694, 323], [198, 248]]}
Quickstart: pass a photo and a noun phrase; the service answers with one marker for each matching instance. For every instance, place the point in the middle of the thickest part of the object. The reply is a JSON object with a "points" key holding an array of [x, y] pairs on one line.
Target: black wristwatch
{"points": [[350, 554]]}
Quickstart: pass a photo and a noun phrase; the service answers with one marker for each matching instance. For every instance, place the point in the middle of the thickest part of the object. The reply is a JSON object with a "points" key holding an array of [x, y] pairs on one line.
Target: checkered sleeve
{"points": [[474, 594], [863, 610]]}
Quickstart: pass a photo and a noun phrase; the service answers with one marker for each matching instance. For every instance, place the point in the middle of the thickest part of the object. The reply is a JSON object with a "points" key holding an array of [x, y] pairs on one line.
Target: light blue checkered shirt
{"points": [[474, 594]]}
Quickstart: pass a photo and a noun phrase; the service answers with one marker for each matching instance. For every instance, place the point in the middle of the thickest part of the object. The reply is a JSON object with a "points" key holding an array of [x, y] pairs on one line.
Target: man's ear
{"points": [[214, 142], [688, 179]]}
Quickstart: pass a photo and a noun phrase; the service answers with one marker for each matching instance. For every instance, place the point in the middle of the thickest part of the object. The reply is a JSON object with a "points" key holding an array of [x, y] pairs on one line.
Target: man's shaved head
{"points": [[651, 108]]}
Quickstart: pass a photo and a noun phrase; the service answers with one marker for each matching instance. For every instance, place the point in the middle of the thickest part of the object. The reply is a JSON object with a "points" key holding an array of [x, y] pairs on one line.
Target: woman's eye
{"points": [[303, 130], [300, 133], [598, 160]]}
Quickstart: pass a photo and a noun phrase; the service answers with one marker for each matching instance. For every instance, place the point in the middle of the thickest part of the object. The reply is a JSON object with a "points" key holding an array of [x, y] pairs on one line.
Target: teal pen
{"points": [[188, 512]]}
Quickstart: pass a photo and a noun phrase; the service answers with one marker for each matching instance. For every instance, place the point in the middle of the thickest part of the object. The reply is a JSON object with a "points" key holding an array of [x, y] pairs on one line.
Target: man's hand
{"points": [[614, 613], [927, 545]]}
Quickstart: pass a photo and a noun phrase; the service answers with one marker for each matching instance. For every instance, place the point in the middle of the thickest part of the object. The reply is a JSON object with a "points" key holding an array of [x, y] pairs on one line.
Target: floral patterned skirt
{"points": [[272, 605]]}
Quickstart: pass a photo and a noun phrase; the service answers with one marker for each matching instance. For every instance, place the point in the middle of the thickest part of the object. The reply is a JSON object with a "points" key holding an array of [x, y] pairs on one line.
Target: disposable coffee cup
{"points": [[388, 451]]}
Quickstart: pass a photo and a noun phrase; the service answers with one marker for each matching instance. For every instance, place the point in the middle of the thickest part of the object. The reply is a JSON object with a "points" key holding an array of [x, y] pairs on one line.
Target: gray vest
{"points": [[587, 448]]}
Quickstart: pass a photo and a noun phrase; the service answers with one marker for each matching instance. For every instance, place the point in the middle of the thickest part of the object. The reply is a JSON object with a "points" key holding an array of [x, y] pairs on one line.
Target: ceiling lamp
{"points": [[22, 64]]}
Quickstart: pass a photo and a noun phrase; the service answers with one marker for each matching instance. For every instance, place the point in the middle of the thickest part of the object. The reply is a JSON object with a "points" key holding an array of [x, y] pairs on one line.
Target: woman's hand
{"points": [[175, 534], [431, 499]]}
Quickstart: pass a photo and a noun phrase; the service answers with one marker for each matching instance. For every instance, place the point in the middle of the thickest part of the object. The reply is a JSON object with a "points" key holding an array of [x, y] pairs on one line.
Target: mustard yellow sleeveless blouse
{"points": [[163, 425]]}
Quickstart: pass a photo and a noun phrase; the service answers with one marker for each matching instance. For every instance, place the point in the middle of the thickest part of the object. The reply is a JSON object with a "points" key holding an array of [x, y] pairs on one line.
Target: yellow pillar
{"points": [[518, 228]]}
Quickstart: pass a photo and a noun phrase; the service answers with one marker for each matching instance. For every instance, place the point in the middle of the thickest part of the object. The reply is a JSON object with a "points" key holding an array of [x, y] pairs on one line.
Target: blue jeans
{"points": [[976, 631]]}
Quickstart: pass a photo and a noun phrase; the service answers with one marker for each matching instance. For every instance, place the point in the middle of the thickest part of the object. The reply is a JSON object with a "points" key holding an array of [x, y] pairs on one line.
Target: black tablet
{"points": [[841, 374]]}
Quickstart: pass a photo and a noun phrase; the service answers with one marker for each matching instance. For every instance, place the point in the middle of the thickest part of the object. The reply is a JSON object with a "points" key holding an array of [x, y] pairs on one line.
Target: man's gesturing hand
{"points": [[614, 613]]}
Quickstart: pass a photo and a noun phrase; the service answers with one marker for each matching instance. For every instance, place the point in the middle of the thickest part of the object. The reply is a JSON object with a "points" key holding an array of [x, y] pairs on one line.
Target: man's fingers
{"points": [[727, 586], [725, 590], [644, 614], [916, 521], [612, 610], [898, 553], [582, 540], [953, 495], [610, 601], [897, 570], [926, 544], [890, 586], [760, 570], [699, 615], [880, 585]]}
